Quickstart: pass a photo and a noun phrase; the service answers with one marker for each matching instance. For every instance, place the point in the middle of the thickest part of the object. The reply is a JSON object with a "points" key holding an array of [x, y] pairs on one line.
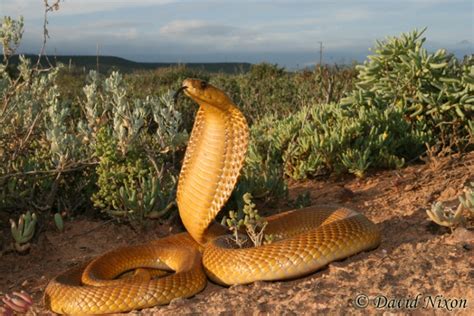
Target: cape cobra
{"points": [[306, 239]]}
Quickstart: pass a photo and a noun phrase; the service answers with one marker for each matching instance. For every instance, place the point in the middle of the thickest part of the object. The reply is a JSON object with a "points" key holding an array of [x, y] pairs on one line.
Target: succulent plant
{"points": [[250, 219], [467, 201], [356, 161], [445, 216], [16, 302], [326, 138], [23, 231], [58, 221]]}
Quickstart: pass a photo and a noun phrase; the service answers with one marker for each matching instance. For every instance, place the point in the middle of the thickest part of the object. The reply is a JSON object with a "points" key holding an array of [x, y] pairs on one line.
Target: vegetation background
{"points": [[113, 142]]}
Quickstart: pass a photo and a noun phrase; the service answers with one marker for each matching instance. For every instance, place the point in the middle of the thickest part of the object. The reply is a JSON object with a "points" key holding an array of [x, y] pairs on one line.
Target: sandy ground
{"points": [[425, 268]]}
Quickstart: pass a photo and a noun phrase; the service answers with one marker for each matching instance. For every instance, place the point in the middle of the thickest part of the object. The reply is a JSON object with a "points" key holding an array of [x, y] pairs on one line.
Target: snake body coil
{"points": [[307, 239]]}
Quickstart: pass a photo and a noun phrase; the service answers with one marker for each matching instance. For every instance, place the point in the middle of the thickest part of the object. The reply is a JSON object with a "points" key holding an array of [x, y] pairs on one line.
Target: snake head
{"points": [[204, 94]]}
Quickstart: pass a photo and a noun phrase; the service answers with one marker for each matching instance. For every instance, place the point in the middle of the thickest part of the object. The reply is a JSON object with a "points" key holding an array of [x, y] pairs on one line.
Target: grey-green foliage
{"points": [[433, 89], [120, 151], [39, 140], [324, 138], [170, 133], [11, 32], [158, 82], [64, 141], [136, 148]]}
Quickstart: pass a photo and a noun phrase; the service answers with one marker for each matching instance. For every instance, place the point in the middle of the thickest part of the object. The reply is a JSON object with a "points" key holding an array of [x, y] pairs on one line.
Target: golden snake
{"points": [[306, 239]]}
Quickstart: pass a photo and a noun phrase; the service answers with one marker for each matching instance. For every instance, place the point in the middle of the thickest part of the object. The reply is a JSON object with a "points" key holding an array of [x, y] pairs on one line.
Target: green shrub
{"points": [[404, 98], [270, 90], [266, 89], [324, 84], [262, 174], [136, 148], [142, 84], [332, 138], [433, 89], [61, 150], [41, 146]]}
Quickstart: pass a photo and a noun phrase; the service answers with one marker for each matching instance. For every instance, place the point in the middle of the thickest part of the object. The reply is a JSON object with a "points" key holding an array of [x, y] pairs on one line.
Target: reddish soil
{"points": [[416, 258]]}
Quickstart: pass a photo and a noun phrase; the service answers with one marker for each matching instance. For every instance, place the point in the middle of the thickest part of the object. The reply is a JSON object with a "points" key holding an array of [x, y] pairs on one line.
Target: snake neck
{"points": [[211, 166]]}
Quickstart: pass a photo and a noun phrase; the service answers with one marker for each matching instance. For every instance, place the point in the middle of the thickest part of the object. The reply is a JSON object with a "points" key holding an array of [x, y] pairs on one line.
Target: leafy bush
{"points": [[105, 146], [433, 89], [41, 152], [404, 98], [269, 89], [325, 84], [142, 84], [136, 145], [324, 138]]}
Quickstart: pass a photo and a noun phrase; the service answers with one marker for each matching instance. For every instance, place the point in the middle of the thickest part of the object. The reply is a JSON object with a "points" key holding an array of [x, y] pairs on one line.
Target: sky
{"points": [[277, 31]]}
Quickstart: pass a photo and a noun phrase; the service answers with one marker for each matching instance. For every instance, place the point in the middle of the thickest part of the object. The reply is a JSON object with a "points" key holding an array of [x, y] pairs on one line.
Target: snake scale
{"points": [[307, 239]]}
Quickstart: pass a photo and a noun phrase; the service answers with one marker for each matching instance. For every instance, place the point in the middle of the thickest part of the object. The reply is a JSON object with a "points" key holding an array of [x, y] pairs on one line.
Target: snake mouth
{"points": [[177, 93]]}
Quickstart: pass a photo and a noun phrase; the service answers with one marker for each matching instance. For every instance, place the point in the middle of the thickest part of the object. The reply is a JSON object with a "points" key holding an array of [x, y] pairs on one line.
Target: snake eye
{"points": [[203, 84]]}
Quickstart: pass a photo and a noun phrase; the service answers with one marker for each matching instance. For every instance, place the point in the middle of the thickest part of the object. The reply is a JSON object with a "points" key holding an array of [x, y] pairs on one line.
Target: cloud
{"points": [[351, 15], [204, 35], [282, 35], [89, 6], [34, 8], [115, 24], [189, 28]]}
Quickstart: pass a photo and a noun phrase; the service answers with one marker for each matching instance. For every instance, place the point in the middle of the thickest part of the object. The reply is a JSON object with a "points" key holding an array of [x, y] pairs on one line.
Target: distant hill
{"points": [[109, 63]]}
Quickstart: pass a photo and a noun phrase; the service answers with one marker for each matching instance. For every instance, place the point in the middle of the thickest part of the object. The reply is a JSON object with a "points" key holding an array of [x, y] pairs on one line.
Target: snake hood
{"points": [[213, 159]]}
